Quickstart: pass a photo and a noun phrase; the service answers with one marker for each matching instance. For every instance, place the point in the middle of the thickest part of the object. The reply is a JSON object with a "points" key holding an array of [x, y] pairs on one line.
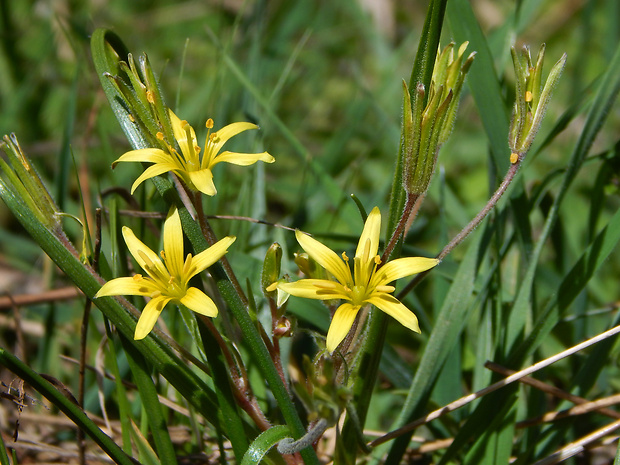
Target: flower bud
{"points": [[531, 99], [426, 128], [271, 268]]}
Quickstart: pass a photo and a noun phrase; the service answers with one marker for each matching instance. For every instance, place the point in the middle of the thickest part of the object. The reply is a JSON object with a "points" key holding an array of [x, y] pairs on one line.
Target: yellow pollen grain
{"points": [[150, 97], [528, 96], [160, 135], [514, 157], [209, 123]]}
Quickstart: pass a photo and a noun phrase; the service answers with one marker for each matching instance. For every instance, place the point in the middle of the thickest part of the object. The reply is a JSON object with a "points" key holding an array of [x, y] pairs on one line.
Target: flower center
{"points": [[358, 294]]}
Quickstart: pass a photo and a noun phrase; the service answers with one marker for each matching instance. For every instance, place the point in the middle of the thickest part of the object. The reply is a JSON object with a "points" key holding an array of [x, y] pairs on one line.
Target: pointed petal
{"points": [[242, 159], [203, 181], [341, 325], [325, 257], [319, 289], [208, 257], [149, 155], [152, 171], [199, 302], [139, 250], [149, 316], [173, 243], [371, 232], [393, 307], [229, 131], [402, 267], [126, 286], [181, 136]]}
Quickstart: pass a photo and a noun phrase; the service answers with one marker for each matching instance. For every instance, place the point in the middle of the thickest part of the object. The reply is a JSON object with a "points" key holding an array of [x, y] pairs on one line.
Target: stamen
{"points": [[209, 123], [147, 261], [160, 135], [137, 277], [344, 257], [162, 254], [377, 260]]}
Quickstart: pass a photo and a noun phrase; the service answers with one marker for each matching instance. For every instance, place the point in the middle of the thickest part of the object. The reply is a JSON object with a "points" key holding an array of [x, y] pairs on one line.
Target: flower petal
{"points": [[149, 316], [208, 257], [141, 252], [393, 307], [325, 257], [402, 267], [180, 135], [341, 325], [199, 302], [152, 171], [203, 181], [319, 289], [242, 159], [149, 155], [371, 233], [227, 132], [127, 286], [173, 243]]}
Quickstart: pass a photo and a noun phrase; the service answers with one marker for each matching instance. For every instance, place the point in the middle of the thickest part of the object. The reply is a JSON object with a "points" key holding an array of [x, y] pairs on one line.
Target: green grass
{"points": [[323, 82]]}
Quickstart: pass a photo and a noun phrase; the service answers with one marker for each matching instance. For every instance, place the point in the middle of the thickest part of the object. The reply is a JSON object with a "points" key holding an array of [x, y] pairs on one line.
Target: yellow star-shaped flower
{"points": [[168, 276], [195, 171], [369, 283]]}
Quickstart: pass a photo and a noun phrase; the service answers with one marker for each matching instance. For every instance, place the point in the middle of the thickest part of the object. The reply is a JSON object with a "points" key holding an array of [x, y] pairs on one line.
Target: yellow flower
{"points": [[367, 284], [188, 165], [168, 277]]}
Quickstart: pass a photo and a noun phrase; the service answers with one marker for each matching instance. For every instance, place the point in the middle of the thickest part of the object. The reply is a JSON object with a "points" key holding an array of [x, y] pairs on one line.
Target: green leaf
{"points": [[263, 443], [482, 80], [73, 411]]}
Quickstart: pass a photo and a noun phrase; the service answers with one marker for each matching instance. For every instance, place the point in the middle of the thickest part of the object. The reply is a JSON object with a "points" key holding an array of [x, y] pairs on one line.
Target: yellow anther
{"points": [[514, 157], [209, 123], [377, 260], [162, 254], [344, 257], [150, 97], [137, 277], [131, 118], [184, 125], [160, 135], [528, 96]]}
